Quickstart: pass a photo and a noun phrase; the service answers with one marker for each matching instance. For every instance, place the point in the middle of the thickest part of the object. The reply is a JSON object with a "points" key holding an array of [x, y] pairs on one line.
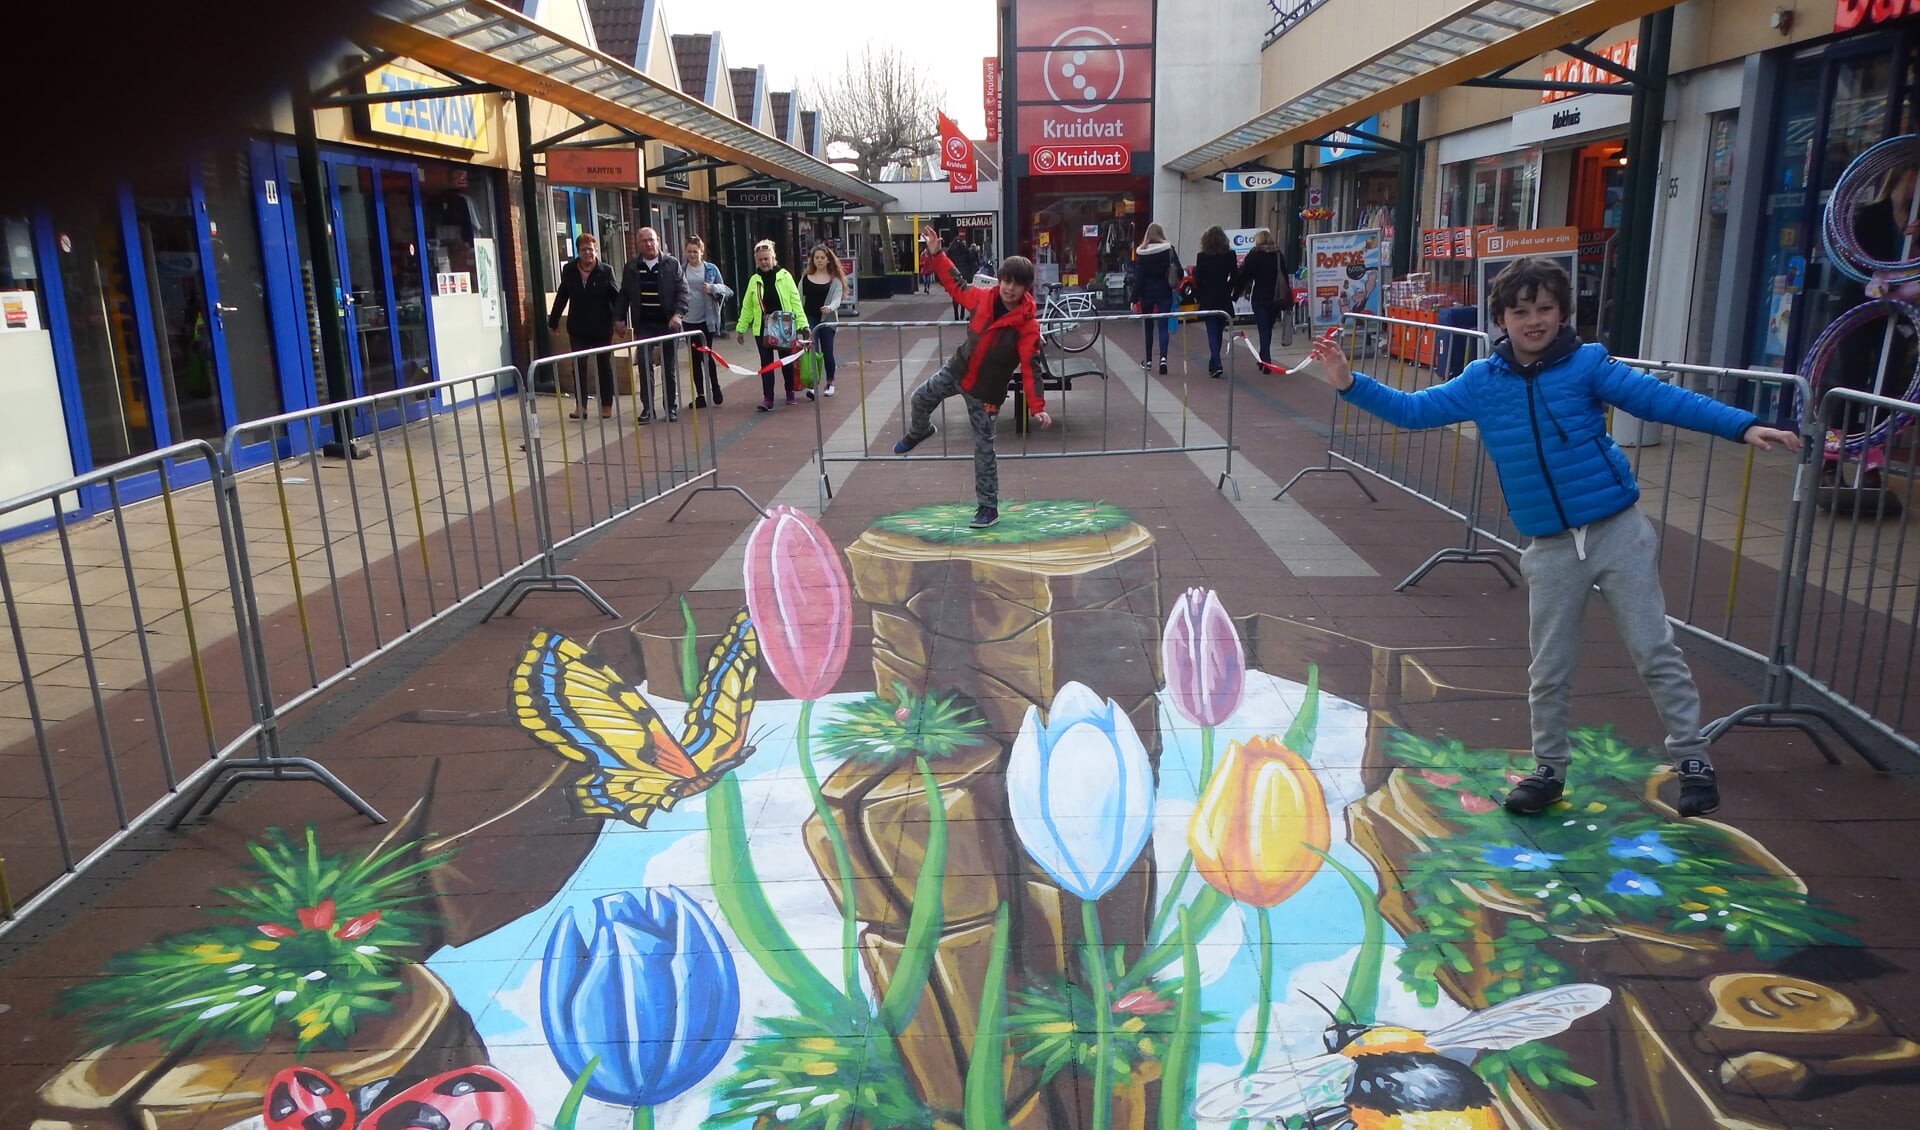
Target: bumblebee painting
{"points": [[1381, 1077]]}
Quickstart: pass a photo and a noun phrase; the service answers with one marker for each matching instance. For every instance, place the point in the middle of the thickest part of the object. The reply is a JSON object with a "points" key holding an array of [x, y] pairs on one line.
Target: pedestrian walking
{"points": [[707, 295], [590, 298], [1540, 406], [1264, 281], [1213, 271], [1157, 272], [820, 293], [960, 254], [653, 295], [769, 291], [1003, 334]]}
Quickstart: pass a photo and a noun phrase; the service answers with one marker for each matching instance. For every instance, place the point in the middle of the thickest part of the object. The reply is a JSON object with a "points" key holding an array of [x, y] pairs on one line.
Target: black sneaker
{"points": [[699, 402], [1147, 364], [1535, 792], [909, 442], [646, 416], [1163, 366], [673, 414], [984, 517], [1699, 790], [718, 399]]}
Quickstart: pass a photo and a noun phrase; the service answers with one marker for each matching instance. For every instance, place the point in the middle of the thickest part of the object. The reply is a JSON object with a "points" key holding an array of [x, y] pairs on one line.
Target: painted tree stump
{"points": [[1058, 592]]}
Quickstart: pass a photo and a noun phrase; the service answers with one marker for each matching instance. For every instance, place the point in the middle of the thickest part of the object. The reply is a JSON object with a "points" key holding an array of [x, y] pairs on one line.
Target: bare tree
{"points": [[880, 108]]}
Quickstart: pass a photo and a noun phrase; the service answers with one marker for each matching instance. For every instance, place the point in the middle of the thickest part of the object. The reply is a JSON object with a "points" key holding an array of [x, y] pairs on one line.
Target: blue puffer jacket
{"points": [[1544, 425]]}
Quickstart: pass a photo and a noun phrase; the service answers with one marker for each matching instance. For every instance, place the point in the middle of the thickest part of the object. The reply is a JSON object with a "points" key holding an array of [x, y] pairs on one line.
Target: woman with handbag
{"points": [[1156, 274], [1264, 281], [770, 310], [707, 295], [1213, 271], [820, 292]]}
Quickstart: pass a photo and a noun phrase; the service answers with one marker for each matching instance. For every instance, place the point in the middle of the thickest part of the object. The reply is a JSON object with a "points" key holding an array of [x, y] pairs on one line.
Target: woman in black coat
{"points": [[1213, 290], [587, 287], [1263, 279]]}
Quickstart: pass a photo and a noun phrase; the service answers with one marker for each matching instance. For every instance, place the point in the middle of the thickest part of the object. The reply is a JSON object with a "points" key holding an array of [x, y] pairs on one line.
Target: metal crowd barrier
{"points": [[598, 468], [1441, 466], [1844, 634], [1088, 421], [133, 680]]}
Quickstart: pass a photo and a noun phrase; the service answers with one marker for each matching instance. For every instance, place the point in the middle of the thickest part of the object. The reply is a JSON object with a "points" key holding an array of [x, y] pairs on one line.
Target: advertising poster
{"points": [[1498, 248], [1343, 275], [486, 264]]}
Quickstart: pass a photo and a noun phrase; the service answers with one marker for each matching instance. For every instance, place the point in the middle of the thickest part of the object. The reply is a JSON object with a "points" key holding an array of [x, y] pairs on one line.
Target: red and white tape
{"points": [[742, 370]]}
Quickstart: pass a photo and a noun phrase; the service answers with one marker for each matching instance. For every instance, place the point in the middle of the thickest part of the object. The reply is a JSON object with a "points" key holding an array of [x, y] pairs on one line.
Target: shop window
{"points": [[1703, 319], [571, 210], [177, 300], [23, 304], [104, 329]]}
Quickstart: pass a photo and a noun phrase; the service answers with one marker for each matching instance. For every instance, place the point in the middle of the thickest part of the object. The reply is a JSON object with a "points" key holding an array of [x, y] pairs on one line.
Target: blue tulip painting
{"points": [[653, 997]]}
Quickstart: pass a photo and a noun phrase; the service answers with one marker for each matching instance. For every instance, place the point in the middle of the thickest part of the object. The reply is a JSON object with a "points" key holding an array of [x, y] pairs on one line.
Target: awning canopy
{"points": [[488, 41], [1472, 42]]}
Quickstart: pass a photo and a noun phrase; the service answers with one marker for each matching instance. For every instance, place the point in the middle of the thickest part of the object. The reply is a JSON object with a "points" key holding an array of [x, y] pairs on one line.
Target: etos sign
{"points": [[1849, 15], [1083, 83]]}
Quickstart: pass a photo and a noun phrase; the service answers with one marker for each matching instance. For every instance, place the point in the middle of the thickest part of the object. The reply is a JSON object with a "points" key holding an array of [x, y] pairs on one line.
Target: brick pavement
{"points": [[1691, 1024]]}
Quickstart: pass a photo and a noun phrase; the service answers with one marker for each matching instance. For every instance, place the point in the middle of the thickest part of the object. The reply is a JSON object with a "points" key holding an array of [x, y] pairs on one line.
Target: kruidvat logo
{"points": [[958, 150], [1084, 69], [1080, 158]]}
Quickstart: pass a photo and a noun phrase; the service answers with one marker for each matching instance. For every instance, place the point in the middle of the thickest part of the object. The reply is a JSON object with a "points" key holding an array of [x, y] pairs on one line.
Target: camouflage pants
{"points": [[986, 466]]}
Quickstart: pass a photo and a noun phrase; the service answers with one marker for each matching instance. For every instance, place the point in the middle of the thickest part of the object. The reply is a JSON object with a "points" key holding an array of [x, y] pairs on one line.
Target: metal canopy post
{"points": [[1296, 228], [326, 284], [536, 239], [1406, 188], [1643, 183]]}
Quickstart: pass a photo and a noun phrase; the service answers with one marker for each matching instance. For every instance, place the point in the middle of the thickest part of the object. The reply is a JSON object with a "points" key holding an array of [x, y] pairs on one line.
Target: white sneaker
{"points": [[828, 391]]}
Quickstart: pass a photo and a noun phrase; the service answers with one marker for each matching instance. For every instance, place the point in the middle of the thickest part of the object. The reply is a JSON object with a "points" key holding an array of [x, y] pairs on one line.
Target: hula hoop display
{"points": [[1826, 351], [1860, 180]]}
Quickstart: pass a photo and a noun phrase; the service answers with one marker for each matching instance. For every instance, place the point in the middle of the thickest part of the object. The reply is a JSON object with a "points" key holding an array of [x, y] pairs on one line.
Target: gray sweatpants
{"points": [[1620, 559], [986, 465]]}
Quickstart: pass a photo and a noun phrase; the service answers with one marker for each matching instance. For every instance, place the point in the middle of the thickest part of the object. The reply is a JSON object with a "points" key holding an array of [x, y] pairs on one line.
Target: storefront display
{"points": [[1343, 275]]}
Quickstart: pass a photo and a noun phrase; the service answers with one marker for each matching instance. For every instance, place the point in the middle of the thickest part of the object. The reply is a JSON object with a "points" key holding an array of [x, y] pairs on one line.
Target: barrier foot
{"points": [[517, 591], [1347, 471], [826, 490], [1227, 480], [1498, 561], [278, 769], [1778, 716], [757, 508]]}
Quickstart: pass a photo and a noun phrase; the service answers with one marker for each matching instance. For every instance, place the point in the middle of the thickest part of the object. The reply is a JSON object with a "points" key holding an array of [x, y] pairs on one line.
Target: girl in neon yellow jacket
{"points": [[768, 273]]}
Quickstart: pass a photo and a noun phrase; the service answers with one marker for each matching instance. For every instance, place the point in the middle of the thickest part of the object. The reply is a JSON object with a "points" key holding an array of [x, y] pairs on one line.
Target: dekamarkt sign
{"points": [[1083, 80]]}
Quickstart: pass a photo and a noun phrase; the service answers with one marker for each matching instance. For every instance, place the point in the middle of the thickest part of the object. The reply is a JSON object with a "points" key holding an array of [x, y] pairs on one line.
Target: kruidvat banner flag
{"points": [[1083, 84], [1343, 275], [956, 152]]}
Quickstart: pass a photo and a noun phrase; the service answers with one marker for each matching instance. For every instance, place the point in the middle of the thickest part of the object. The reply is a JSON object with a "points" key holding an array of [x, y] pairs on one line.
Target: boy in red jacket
{"points": [[1003, 333]]}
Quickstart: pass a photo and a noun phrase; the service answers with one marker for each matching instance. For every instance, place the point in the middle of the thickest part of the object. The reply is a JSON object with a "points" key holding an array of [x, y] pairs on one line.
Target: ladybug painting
{"points": [[469, 1098], [300, 1098]]}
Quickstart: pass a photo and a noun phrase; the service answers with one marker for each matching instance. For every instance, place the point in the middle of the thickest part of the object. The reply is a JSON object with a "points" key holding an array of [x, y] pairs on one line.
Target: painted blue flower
{"points": [[1628, 883], [1518, 858], [1646, 845], [655, 996]]}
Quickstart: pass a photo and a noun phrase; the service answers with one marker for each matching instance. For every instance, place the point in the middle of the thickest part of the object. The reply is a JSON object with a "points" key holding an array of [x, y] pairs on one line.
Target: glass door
{"points": [[180, 307], [376, 235]]}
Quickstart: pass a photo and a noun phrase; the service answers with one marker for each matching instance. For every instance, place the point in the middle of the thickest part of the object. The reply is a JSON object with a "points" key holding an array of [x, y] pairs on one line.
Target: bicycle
{"points": [[1068, 319]]}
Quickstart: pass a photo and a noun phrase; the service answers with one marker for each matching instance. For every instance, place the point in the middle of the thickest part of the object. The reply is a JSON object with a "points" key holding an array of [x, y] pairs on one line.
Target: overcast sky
{"points": [[801, 42]]}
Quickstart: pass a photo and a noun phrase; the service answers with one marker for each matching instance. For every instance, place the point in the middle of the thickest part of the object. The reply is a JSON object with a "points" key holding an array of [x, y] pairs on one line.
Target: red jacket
{"points": [[995, 347]]}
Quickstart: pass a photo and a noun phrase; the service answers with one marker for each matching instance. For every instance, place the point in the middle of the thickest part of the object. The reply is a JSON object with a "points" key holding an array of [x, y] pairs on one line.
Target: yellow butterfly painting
{"points": [[566, 697]]}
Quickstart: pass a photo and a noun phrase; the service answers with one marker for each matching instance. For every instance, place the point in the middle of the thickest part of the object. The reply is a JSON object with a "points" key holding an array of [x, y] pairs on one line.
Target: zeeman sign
{"points": [[457, 121]]}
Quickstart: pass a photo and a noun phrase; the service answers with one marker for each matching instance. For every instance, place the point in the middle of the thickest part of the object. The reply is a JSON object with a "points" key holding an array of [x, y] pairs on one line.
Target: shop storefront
{"points": [[1834, 101], [1081, 133]]}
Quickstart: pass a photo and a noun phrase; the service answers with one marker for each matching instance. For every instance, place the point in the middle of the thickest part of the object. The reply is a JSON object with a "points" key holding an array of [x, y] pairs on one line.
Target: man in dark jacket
{"points": [[960, 254], [590, 297], [1003, 334], [653, 297]]}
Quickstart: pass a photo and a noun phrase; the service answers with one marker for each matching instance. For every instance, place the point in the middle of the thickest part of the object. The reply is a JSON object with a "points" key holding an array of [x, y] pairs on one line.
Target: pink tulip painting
{"points": [[1201, 657], [801, 605]]}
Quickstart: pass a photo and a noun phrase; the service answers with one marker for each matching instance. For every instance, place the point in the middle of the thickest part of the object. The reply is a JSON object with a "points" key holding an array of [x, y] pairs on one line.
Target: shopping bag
{"points": [[809, 369]]}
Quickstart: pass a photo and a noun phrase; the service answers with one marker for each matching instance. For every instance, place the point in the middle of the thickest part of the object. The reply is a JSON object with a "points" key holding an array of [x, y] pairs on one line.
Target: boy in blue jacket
{"points": [[1540, 403]]}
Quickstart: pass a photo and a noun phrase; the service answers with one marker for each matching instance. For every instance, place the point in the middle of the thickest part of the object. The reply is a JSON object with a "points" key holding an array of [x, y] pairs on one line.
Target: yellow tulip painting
{"points": [[1257, 823]]}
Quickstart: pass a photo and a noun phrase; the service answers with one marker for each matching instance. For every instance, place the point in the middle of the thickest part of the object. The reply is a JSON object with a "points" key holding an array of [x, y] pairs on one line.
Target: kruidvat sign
{"points": [[1083, 84]]}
